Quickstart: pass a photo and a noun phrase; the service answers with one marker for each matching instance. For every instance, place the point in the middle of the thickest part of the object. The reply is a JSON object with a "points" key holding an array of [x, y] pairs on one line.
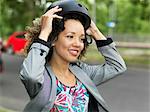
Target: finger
{"points": [[88, 32], [56, 16], [50, 12], [55, 9]]}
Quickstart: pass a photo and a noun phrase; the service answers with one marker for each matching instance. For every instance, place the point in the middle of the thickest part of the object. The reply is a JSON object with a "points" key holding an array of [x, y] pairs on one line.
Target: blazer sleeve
{"points": [[113, 66], [33, 68]]}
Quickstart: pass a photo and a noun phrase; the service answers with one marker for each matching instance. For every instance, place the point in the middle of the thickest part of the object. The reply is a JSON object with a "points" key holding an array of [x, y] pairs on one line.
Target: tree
{"points": [[16, 14], [132, 16]]}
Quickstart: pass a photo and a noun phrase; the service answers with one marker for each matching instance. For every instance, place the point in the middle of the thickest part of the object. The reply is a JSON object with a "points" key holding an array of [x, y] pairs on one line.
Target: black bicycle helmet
{"points": [[71, 6]]}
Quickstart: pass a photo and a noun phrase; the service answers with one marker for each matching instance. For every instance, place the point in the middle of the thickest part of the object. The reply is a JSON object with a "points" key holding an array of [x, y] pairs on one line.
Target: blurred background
{"points": [[126, 21]]}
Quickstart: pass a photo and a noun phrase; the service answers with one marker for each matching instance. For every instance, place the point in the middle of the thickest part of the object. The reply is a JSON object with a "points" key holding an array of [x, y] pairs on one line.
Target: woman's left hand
{"points": [[94, 32]]}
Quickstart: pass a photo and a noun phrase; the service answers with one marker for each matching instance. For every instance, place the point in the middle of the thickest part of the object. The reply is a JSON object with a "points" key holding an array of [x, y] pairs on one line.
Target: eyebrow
{"points": [[75, 33]]}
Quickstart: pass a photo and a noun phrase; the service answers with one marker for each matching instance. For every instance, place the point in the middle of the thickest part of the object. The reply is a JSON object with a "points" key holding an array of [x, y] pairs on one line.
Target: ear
{"points": [[54, 42]]}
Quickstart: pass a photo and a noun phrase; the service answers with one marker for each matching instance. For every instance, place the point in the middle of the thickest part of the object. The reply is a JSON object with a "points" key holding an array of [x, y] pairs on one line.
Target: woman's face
{"points": [[70, 42]]}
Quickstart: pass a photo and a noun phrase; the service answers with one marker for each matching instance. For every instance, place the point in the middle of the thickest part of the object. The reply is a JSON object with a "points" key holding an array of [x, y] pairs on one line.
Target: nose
{"points": [[76, 42]]}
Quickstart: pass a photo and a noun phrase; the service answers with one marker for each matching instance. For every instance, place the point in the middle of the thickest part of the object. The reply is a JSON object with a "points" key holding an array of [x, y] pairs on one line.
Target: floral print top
{"points": [[71, 99]]}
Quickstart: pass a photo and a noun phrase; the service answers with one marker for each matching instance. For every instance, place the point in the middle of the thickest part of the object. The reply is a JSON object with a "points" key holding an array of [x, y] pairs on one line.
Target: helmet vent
{"points": [[80, 5]]}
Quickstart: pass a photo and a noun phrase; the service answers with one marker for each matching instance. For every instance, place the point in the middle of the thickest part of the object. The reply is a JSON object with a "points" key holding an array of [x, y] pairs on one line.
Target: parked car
{"points": [[15, 43]]}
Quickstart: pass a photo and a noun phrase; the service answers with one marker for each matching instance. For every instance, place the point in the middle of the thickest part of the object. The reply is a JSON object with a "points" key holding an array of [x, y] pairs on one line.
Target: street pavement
{"points": [[129, 92]]}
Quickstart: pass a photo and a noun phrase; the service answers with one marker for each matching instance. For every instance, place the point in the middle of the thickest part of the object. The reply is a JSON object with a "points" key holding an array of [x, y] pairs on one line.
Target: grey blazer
{"points": [[40, 81]]}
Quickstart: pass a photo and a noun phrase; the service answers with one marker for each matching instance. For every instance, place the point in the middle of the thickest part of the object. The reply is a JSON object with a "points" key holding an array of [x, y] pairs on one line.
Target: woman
{"points": [[54, 77]]}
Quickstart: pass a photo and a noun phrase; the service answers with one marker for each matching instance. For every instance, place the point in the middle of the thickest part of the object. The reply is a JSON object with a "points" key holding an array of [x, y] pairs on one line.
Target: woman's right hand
{"points": [[46, 22]]}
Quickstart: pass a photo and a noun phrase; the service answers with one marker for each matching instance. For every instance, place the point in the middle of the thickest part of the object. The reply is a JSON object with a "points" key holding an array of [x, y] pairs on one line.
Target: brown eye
{"points": [[82, 40], [69, 36]]}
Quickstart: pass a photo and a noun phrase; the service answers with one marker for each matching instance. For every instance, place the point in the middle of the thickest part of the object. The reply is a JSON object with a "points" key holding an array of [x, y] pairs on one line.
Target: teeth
{"points": [[74, 52]]}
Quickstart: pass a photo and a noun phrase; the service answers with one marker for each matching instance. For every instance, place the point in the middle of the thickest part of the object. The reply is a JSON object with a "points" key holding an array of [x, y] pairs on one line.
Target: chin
{"points": [[73, 60]]}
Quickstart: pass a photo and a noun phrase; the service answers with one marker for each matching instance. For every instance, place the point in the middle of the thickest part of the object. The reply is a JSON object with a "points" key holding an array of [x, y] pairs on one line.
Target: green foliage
{"points": [[16, 14], [130, 16]]}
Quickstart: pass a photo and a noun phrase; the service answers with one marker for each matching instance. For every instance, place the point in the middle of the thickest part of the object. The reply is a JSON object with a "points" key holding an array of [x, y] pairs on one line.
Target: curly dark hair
{"points": [[57, 27]]}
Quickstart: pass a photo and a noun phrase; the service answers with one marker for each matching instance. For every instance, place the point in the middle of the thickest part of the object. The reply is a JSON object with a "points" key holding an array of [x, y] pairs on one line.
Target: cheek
{"points": [[82, 46], [63, 46]]}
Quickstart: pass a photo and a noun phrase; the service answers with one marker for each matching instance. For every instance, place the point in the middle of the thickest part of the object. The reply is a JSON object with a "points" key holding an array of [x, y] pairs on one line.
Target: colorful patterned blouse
{"points": [[71, 99]]}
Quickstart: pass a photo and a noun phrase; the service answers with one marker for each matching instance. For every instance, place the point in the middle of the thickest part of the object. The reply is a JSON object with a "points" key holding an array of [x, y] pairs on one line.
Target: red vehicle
{"points": [[15, 43]]}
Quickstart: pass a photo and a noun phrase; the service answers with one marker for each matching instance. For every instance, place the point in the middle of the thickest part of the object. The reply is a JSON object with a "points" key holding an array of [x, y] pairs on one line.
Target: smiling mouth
{"points": [[73, 52]]}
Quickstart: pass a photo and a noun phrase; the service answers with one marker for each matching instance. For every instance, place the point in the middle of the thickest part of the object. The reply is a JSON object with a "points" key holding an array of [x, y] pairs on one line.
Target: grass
{"points": [[132, 57], [5, 110]]}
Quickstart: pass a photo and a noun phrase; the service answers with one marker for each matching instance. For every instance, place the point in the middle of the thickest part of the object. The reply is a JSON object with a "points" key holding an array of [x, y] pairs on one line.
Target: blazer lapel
{"points": [[82, 76], [53, 85]]}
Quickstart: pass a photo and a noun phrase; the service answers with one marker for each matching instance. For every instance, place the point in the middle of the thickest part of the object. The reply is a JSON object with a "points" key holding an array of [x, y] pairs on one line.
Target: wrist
{"points": [[99, 36], [43, 36], [38, 40], [101, 43]]}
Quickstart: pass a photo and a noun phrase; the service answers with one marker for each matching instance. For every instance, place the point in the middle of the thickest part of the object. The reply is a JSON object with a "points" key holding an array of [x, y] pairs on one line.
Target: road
{"points": [[129, 92]]}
